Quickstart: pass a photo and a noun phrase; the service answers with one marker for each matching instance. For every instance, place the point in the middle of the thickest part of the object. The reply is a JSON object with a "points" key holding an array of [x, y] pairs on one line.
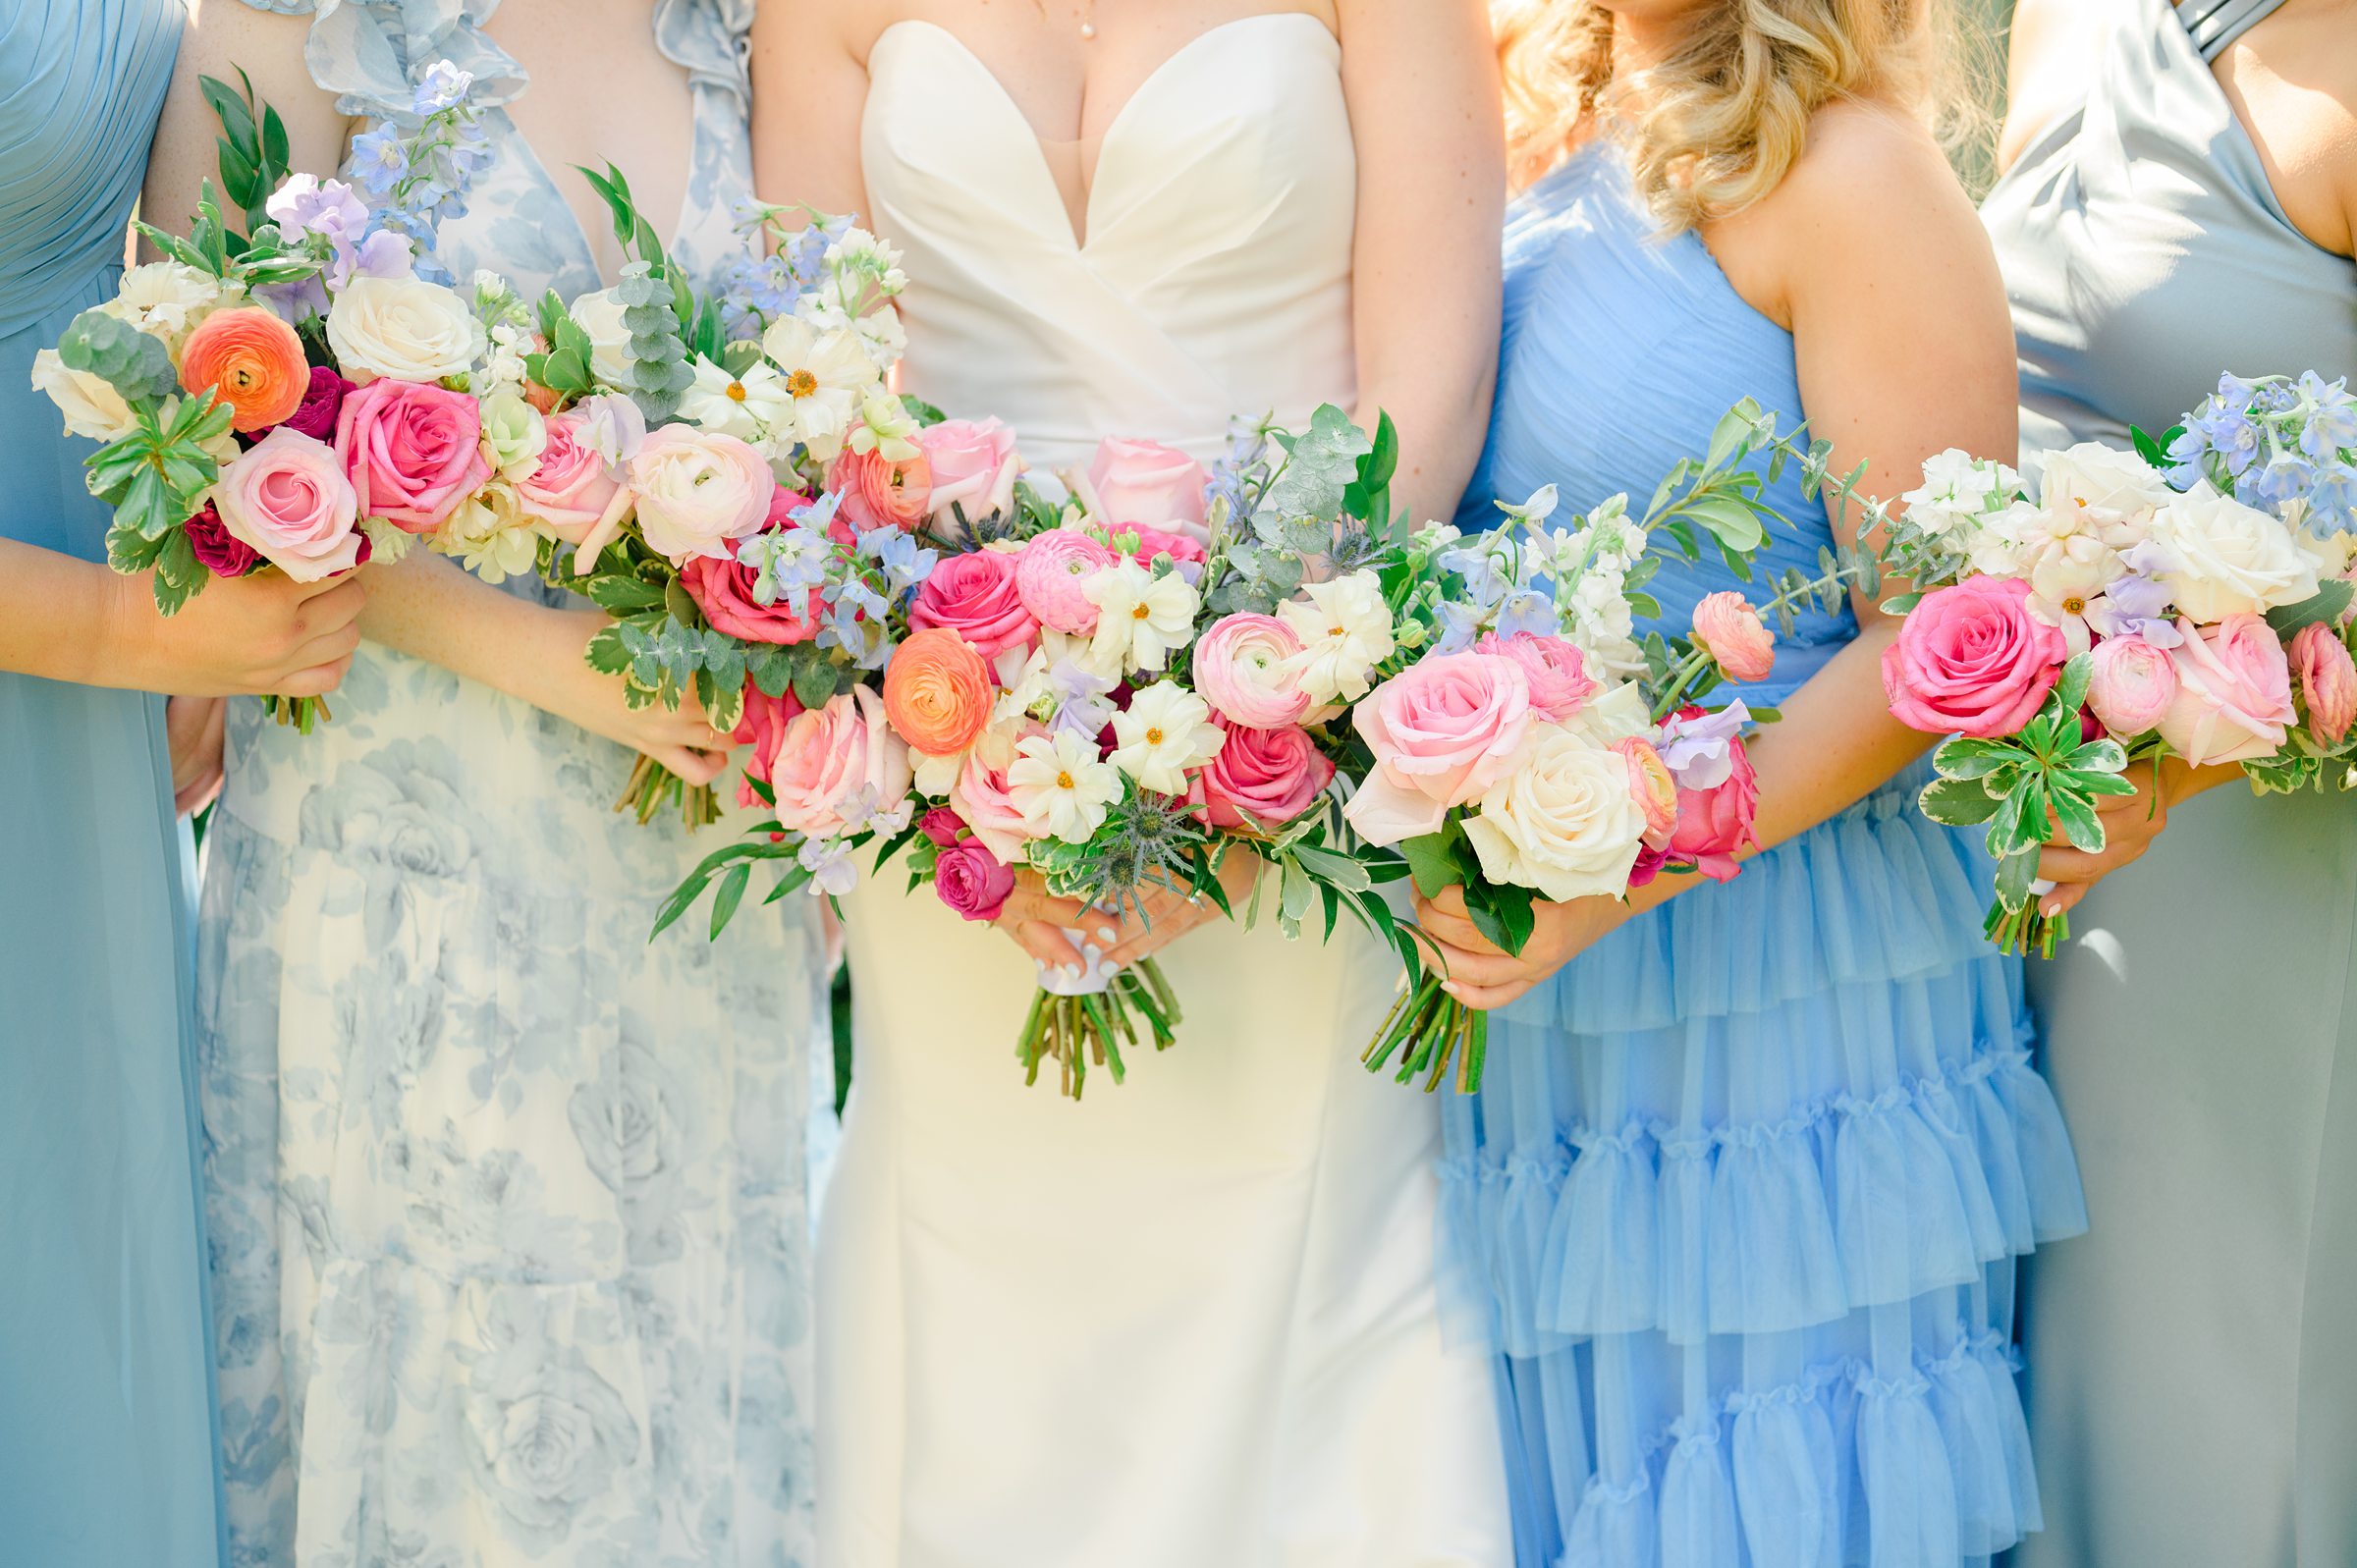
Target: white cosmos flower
{"points": [[1061, 786], [752, 406], [1164, 732], [826, 374], [1345, 631], [1140, 617]]}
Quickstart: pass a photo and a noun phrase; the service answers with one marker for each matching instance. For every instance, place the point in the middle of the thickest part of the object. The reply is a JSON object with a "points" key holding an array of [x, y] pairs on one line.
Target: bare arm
{"points": [[808, 88], [1421, 80]]}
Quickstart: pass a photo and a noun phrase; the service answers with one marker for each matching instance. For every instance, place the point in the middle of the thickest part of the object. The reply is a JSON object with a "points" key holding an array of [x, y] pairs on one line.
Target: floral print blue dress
{"points": [[508, 1204]]}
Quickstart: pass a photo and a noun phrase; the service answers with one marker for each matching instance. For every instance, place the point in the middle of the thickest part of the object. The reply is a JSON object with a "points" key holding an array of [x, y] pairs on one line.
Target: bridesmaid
{"points": [[1741, 1195], [2195, 1359], [107, 1442]]}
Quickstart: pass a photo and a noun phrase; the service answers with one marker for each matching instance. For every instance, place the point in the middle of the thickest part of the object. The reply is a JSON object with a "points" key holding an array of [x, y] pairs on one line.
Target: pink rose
{"points": [[879, 492], [322, 401], [1242, 668], [574, 485], [981, 797], [696, 490], [2130, 684], [1443, 732], [222, 553], [2233, 692], [1144, 482], [412, 451], [722, 589], [971, 880], [2328, 681], [941, 827], [1262, 778], [287, 498], [832, 757], [1048, 574], [1559, 678], [1971, 660], [1715, 823], [762, 728], [976, 596], [973, 467], [1731, 631], [1184, 548]]}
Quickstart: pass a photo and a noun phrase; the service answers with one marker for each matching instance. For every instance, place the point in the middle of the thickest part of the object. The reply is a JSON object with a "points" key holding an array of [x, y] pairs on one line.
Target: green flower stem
{"points": [[2026, 930], [1430, 1031], [300, 712], [652, 784], [1081, 1032]]}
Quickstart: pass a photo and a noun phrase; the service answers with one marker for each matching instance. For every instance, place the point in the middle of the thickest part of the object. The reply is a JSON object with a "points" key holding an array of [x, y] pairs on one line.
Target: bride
{"points": [[1191, 1320]]}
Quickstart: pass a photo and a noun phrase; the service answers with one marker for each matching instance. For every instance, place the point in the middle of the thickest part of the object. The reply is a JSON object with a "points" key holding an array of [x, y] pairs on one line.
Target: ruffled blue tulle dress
{"points": [[1738, 1202]]}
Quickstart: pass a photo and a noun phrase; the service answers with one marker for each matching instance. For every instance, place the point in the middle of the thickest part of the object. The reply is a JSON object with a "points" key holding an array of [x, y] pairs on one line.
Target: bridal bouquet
{"points": [[2187, 599]]}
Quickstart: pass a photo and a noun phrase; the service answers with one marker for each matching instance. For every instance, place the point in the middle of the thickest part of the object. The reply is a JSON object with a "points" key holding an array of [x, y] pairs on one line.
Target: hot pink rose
{"points": [[1049, 573], [1559, 677], [1713, 824], [971, 880], [322, 401], [1972, 660], [1262, 777], [762, 728], [1731, 631], [976, 596], [288, 499], [2233, 692], [2130, 684], [722, 589], [974, 466], [832, 757], [1442, 731], [412, 451], [574, 485], [2328, 681], [1242, 668], [1147, 483], [878, 492]]}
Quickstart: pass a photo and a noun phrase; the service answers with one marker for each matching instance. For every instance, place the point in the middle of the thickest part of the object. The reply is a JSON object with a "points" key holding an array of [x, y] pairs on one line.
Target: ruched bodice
{"points": [[1212, 275]]}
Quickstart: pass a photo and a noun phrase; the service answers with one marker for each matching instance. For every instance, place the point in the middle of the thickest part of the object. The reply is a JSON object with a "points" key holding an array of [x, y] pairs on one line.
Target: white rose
{"points": [[1614, 715], [92, 407], [2228, 559], [599, 315], [404, 328], [696, 489], [1561, 821], [2119, 490]]}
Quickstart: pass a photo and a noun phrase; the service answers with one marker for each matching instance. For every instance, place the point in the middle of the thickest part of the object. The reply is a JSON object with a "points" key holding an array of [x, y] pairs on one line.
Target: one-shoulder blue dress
{"points": [[1738, 1202], [106, 1428]]}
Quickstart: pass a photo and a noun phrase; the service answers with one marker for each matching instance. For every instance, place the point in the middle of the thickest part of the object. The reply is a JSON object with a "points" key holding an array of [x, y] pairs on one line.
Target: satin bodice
{"points": [[1211, 277]]}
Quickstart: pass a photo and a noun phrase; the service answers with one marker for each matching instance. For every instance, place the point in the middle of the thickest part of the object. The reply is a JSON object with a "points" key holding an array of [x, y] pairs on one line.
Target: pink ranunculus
{"points": [[1442, 731], [1559, 677], [574, 485], [981, 797], [2328, 681], [721, 587], [288, 499], [971, 880], [1048, 574], [1263, 778], [322, 401], [222, 553], [974, 466], [976, 596], [1713, 824], [832, 757], [878, 492], [412, 451], [2130, 684], [1146, 483], [697, 489], [762, 728], [1243, 668], [1731, 631], [2233, 692], [1971, 660]]}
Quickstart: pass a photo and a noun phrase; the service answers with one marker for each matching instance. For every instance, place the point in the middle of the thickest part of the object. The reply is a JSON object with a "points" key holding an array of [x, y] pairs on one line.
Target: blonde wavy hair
{"points": [[1722, 120]]}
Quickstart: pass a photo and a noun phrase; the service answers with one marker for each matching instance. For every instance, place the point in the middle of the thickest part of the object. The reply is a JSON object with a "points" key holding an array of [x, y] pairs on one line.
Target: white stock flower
{"points": [[2228, 559], [1958, 491], [1563, 821], [1345, 631], [92, 407], [1164, 732], [1140, 617], [404, 328], [1061, 786]]}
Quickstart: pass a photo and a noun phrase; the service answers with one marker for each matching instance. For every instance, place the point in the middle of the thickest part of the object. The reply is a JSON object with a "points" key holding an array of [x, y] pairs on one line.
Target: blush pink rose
{"points": [[878, 492], [722, 589], [973, 464], [2233, 692], [1971, 660], [976, 596], [287, 498], [412, 451], [1243, 668], [982, 797], [762, 728], [1559, 677], [1713, 824], [574, 485], [1050, 573], [971, 880], [1442, 731], [2130, 684], [1731, 631], [831, 757], [1145, 483], [2328, 681], [1264, 777]]}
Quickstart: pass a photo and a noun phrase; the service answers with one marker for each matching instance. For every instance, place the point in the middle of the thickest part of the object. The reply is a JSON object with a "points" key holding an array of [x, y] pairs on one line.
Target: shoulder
{"points": [[2049, 43], [2293, 81]]}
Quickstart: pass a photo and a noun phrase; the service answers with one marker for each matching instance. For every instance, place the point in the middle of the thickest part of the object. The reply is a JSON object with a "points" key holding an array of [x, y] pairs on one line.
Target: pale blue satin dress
{"points": [[106, 1432], [1739, 1203], [2194, 1360]]}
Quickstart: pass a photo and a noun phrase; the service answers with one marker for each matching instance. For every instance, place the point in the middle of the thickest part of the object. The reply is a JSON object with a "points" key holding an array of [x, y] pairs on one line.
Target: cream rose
{"points": [[599, 315], [404, 328], [92, 407], [696, 489], [1564, 820], [2226, 559], [2119, 490]]}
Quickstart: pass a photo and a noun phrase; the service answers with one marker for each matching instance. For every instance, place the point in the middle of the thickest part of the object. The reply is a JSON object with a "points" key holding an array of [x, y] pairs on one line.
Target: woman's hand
{"points": [[1483, 976], [262, 636], [1170, 914], [1042, 924], [2130, 824], [193, 726], [558, 679]]}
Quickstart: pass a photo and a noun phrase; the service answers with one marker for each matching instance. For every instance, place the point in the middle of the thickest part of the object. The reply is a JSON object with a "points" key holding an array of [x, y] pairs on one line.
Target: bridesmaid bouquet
{"points": [[2188, 599]]}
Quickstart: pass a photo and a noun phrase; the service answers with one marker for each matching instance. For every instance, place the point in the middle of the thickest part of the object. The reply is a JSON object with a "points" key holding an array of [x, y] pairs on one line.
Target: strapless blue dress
{"points": [[1738, 1205]]}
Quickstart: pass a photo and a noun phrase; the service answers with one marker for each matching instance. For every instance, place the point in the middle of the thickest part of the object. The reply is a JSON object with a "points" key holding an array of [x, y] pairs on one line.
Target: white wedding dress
{"points": [[1190, 1321]]}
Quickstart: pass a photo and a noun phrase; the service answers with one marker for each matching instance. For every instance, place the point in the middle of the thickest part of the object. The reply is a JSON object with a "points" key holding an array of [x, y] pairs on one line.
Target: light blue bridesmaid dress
{"points": [[1738, 1204], [106, 1431]]}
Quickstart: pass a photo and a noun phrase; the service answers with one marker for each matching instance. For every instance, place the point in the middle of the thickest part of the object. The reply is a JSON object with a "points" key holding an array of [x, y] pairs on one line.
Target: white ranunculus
{"points": [[2119, 490], [1164, 732], [599, 315], [165, 299], [404, 328], [92, 407], [696, 490], [1345, 631], [2226, 559], [1563, 821]]}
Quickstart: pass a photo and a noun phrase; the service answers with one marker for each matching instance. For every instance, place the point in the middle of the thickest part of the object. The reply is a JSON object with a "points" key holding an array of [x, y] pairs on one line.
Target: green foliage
{"points": [[657, 354], [251, 146], [563, 367], [120, 355]]}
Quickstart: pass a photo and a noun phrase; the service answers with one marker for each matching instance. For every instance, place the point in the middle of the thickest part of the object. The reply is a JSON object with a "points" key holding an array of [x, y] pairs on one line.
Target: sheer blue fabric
{"points": [[1738, 1202], [106, 1430]]}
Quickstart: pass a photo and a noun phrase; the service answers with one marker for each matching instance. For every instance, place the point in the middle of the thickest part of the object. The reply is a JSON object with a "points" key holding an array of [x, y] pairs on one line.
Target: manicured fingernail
{"points": [[1106, 934], [1449, 986], [2050, 908]]}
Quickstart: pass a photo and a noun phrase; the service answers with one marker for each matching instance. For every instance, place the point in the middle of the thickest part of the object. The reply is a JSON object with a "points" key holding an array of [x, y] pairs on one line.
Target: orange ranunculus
{"points": [[938, 692], [252, 359]]}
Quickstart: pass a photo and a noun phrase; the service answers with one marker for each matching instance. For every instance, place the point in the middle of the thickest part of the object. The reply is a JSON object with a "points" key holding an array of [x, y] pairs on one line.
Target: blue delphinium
{"points": [[2278, 443]]}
